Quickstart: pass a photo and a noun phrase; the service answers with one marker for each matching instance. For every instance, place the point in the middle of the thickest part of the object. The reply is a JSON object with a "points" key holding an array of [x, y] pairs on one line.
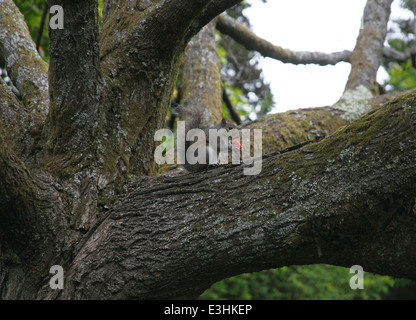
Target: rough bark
{"points": [[293, 127], [83, 202], [140, 61], [201, 79], [74, 79], [28, 72], [346, 200], [14, 120], [69, 138], [368, 52], [33, 227]]}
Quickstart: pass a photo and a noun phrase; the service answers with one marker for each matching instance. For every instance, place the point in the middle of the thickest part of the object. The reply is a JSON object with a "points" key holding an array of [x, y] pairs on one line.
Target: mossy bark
{"points": [[201, 79], [282, 130], [28, 73], [92, 136], [71, 128], [345, 200], [368, 52], [14, 122], [83, 202], [33, 228]]}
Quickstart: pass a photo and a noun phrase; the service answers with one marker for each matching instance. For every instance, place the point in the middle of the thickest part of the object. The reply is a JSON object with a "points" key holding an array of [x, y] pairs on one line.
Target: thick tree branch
{"points": [[17, 189], [74, 85], [27, 70], [171, 13], [171, 237], [27, 200], [201, 79], [341, 201], [141, 51], [32, 225], [366, 58], [368, 51], [170, 19], [214, 8], [293, 127], [177, 15], [14, 119]]}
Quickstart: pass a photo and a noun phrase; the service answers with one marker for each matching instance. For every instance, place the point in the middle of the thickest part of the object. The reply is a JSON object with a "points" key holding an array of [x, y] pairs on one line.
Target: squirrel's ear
{"points": [[223, 121]]}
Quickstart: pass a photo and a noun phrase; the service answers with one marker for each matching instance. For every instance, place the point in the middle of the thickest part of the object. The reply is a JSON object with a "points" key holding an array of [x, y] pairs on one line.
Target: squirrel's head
{"points": [[227, 125]]}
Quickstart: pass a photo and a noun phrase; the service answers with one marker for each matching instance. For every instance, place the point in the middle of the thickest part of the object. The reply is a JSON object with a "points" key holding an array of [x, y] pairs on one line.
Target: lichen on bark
{"points": [[86, 204], [201, 80]]}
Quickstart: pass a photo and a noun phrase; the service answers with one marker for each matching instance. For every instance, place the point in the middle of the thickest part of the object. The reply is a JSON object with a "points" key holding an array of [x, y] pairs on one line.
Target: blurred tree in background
{"points": [[402, 37], [242, 74]]}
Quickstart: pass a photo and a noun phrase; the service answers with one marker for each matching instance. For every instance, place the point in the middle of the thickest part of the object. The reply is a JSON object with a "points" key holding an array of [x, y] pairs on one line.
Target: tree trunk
{"points": [[81, 191]]}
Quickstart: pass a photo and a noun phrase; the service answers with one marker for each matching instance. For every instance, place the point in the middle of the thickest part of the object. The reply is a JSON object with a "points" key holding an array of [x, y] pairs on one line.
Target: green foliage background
{"points": [[402, 37], [313, 282]]}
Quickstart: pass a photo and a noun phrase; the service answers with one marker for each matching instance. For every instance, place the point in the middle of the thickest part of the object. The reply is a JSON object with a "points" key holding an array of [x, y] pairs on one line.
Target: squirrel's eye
{"points": [[230, 128]]}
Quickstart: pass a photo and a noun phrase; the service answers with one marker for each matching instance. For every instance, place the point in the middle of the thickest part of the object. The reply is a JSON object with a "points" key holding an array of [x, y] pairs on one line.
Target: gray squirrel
{"points": [[195, 119]]}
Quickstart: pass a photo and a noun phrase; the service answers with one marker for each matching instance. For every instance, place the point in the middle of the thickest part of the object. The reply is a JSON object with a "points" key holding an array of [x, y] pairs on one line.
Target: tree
{"points": [[401, 67], [79, 185]]}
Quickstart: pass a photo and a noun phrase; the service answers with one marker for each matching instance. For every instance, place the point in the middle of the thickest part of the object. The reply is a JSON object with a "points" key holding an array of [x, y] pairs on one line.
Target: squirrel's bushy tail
{"points": [[194, 118]]}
